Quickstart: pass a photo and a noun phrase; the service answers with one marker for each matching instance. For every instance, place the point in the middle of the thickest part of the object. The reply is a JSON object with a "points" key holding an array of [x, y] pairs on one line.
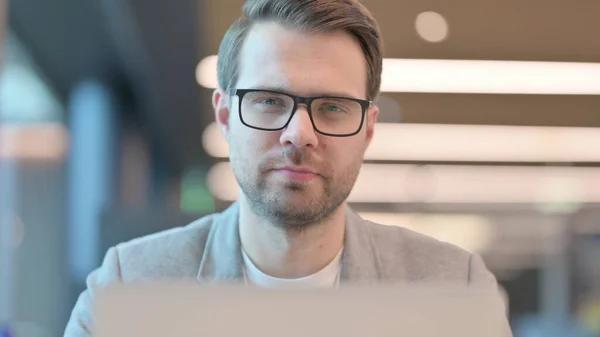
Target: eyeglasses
{"points": [[270, 110]]}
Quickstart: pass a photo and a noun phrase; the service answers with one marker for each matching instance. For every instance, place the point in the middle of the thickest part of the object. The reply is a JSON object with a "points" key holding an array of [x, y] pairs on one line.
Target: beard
{"points": [[293, 204]]}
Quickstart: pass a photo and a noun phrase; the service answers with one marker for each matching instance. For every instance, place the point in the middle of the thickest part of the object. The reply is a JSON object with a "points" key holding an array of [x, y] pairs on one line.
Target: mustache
{"points": [[293, 157]]}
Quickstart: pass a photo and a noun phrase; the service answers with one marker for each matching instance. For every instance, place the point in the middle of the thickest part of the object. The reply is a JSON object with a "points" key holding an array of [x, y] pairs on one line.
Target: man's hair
{"points": [[313, 16]]}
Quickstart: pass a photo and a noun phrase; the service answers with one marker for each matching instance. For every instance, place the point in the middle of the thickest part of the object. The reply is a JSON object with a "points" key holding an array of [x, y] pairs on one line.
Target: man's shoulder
{"points": [[173, 253], [394, 235], [421, 256]]}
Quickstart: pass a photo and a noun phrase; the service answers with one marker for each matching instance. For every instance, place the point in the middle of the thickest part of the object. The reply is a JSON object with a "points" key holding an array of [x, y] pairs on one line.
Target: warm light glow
{"points": [[476, 184], [221, 182], [44, 142], [483, 143], [213, 141], [471, 232], [206, 72], [490, 77], [453, 184], [469, 76], [430, 142], [431, 26]]}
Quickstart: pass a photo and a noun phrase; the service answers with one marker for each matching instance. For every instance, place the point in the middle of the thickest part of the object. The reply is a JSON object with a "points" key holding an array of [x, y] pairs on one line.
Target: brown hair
{"points": [[316, 16]]}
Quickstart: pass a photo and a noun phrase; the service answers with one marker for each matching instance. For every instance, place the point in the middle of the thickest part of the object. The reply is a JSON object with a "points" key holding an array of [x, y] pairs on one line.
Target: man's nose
{"points": [[300, 131]]}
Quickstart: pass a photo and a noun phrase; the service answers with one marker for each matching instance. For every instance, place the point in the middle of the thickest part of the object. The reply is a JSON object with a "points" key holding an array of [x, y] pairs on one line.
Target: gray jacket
{"points": [[208, 250]]}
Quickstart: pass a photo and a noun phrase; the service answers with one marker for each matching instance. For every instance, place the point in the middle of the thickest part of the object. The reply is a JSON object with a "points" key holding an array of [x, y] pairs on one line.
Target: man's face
{"points": [[266, 164]]}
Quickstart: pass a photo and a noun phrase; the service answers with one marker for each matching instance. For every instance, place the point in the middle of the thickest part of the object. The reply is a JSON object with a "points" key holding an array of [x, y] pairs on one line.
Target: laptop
{"points": [[186, 310]]}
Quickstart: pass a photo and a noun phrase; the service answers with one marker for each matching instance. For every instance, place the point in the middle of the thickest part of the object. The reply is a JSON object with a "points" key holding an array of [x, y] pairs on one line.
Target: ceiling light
{"points": [[479, 143], [490, 77], [391, 183], [431, 26], [431, 142], [469, 76]]}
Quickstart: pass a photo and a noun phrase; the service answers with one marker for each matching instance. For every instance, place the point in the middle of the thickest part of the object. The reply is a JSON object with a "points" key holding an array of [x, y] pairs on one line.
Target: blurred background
{"points": [[489, 139]]}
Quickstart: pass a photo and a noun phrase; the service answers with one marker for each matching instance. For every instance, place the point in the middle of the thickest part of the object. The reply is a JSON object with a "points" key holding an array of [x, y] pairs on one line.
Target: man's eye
{"points": [[271, 101], [331, 108]]}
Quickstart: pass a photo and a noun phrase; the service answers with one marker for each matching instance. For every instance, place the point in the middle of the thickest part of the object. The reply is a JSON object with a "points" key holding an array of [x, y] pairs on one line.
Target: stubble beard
{"points": [[293, 205]]}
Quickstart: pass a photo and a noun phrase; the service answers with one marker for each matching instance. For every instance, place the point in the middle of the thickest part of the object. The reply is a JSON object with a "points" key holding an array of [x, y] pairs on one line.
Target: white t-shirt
{"points": [[328, 277]]}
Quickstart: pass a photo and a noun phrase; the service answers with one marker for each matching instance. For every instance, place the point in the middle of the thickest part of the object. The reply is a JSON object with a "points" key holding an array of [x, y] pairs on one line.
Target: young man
{"points": [[296, 84]]}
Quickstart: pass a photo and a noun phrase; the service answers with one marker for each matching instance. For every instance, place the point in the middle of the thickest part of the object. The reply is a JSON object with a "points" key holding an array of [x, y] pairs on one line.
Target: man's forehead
{"points": [[307, 64], [271, 34]]}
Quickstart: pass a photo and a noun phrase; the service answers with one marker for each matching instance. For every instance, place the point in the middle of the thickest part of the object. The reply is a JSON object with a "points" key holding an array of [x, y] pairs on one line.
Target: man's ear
{"points": [[372, 115], [220, 102]]}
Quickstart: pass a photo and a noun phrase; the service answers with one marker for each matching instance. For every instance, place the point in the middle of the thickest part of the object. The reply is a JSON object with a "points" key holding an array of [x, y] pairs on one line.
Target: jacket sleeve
{"points": [[81, 320], [480, 276]]}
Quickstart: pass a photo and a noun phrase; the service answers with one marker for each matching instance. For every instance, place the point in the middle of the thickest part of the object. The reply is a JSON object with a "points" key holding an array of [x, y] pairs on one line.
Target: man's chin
{"points": [[291, 197], [295, 217]]}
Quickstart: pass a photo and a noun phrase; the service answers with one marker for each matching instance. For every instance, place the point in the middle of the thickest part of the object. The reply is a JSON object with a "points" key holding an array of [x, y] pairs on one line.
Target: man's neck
{"points": [[290, 252]]}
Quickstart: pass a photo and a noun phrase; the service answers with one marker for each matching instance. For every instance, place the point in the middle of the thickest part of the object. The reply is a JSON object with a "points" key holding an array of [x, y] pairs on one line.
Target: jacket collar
{"points": [[222, 259], [360, 262]]}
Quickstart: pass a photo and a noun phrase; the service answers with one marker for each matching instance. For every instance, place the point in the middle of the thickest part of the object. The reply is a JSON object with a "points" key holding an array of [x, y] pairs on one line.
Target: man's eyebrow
{"points": [[272, 88], [338, 94], [316, 94]]}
